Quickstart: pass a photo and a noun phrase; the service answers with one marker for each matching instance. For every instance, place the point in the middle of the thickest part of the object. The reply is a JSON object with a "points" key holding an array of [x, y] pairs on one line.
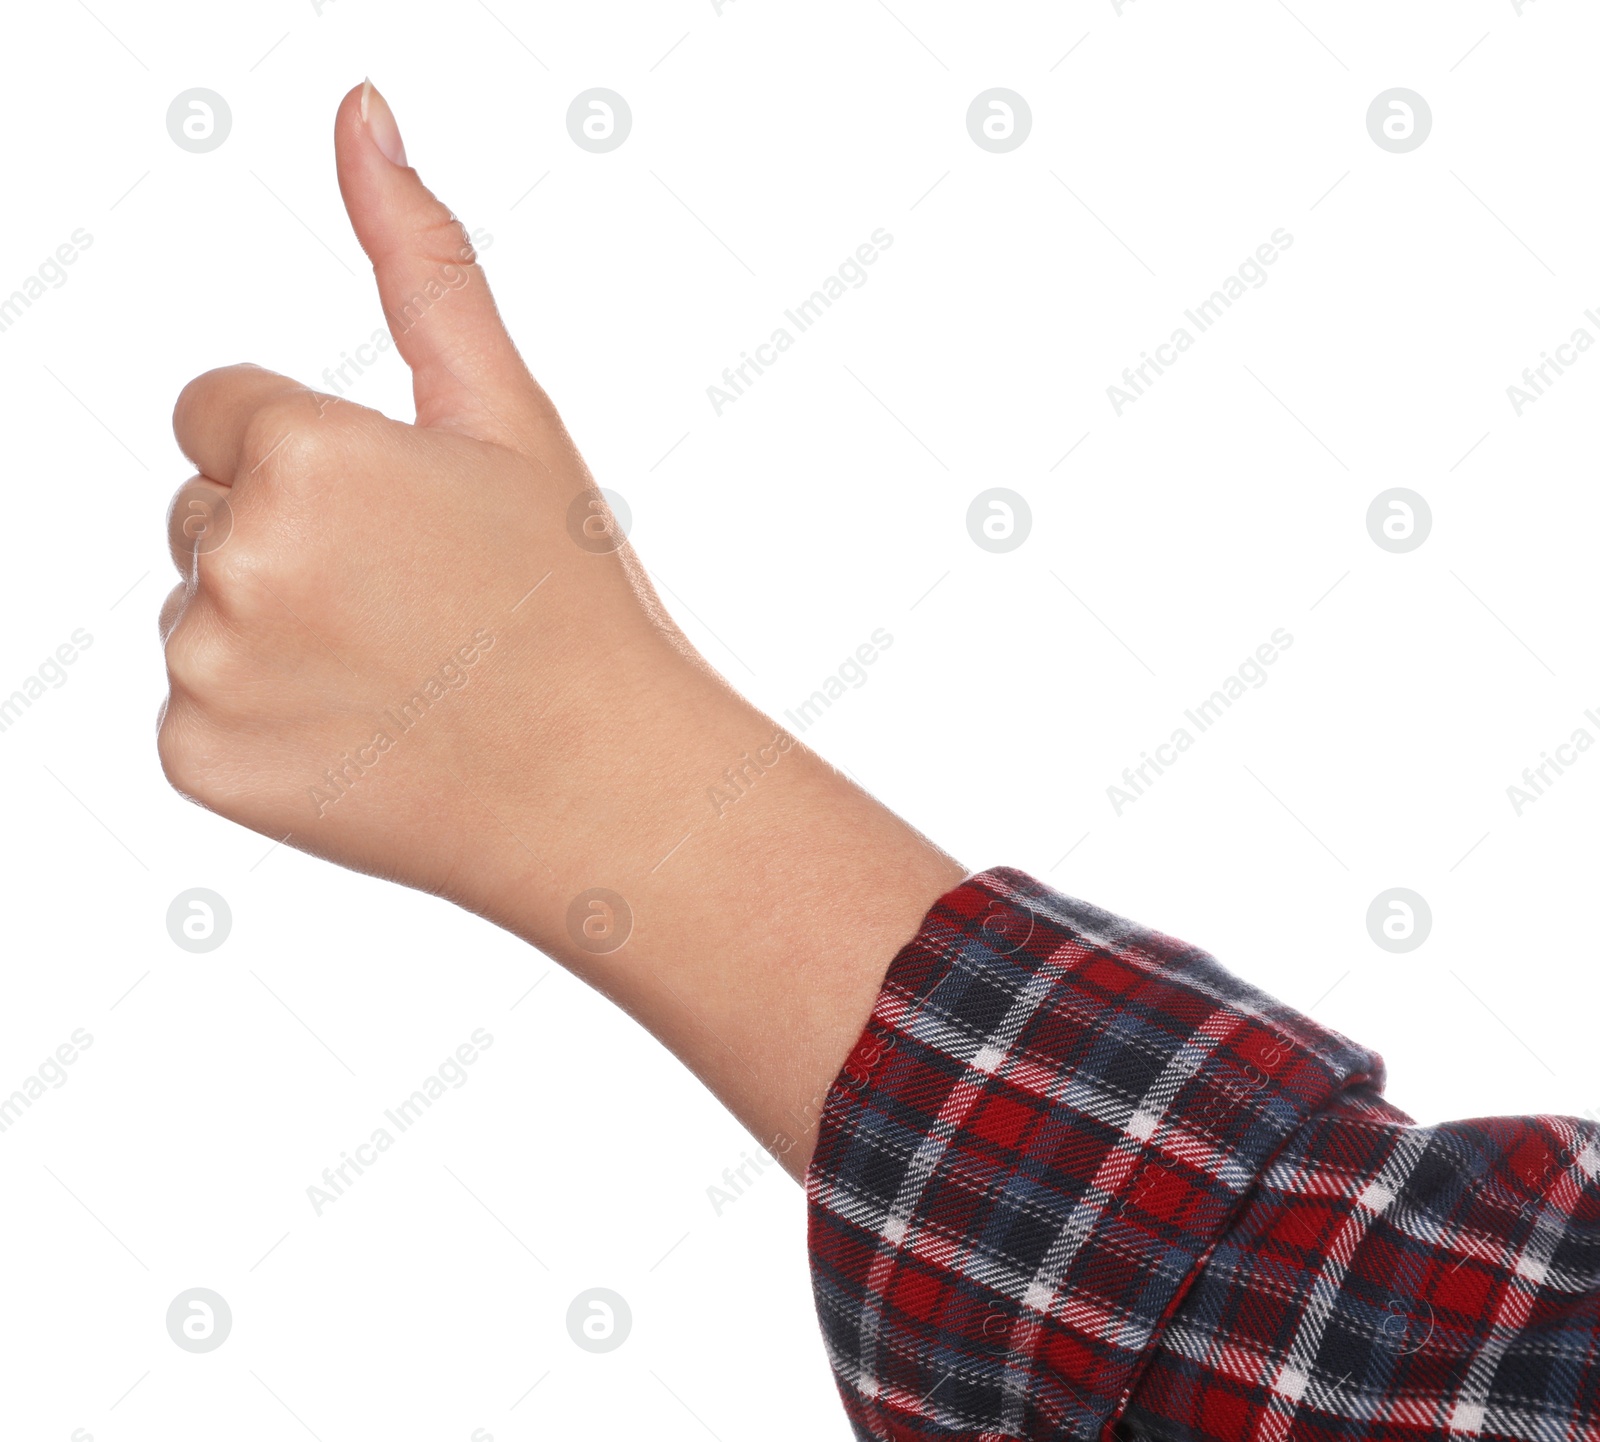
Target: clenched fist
{"points": [[424, 651]]}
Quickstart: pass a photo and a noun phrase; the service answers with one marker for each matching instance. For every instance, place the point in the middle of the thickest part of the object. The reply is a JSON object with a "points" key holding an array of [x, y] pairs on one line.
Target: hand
{"points": [[362, 641], [424, 651]]}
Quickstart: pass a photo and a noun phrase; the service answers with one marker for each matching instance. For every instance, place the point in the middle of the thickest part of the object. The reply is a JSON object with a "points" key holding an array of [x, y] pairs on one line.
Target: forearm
{"points": [[762, 897]]}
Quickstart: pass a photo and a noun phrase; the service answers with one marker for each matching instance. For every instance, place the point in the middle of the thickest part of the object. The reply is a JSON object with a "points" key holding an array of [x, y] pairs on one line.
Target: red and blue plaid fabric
{"points": [[1077, 1181]]}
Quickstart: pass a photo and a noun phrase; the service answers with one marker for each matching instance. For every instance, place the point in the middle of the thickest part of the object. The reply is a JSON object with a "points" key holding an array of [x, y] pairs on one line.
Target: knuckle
{"points": [[441, 238], [185, 658], [201, 662], [192, 398], [183, 750], [284, 438], [252, 586], [201, 393], [233, 577], [171, 609]]}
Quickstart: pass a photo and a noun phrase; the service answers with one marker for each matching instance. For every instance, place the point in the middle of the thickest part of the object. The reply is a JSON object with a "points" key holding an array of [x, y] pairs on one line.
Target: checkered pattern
{"points": [[1077, 1181]]}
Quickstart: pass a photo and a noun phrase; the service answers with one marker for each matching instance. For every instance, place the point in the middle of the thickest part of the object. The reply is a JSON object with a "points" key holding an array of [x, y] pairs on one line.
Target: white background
{"points": [[1231, 500]]}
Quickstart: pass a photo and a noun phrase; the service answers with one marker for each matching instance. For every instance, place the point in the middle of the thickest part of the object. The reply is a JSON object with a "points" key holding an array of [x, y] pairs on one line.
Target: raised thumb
{"points": [[466, 373]]}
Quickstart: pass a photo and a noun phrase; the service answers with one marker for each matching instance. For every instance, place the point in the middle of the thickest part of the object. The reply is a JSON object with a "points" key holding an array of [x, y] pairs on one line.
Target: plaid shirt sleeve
{"points": [[1077, 1181]]}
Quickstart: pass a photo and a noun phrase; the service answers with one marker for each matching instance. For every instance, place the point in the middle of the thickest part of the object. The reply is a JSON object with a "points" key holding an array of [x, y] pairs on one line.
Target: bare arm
{"points": [[425, 652]]}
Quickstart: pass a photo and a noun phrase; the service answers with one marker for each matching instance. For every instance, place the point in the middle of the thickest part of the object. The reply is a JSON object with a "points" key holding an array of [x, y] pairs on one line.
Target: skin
{"points": [[335, 561]]}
